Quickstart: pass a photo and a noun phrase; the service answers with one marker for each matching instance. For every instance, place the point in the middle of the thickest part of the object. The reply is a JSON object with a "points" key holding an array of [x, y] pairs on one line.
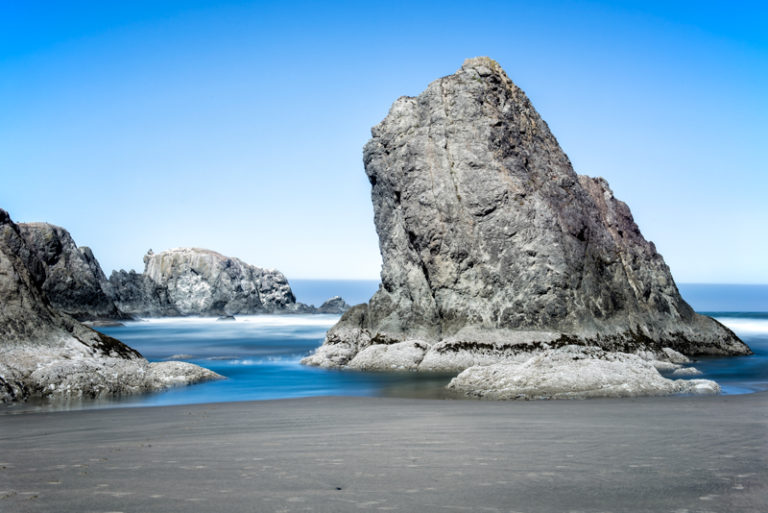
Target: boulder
{"points": [[574, 372]]}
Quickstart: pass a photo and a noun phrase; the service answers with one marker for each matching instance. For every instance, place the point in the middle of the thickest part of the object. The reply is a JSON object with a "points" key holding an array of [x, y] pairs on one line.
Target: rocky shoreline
{"points": [[48, 285], [176, 282], [44, 352]]}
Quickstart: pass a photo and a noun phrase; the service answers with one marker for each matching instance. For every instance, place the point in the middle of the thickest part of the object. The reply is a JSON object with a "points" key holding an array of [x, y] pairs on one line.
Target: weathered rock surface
{"points": [[494, 248], [135, 294], [191, 281], [74, 282], [574, 372], [44, 352], [334, 305]]}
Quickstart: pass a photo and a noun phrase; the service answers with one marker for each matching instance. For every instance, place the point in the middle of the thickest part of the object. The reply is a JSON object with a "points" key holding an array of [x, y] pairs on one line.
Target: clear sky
{"points": [[239, 126]]}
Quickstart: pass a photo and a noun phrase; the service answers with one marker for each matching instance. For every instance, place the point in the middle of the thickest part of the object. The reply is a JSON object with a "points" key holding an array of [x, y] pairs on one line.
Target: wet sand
{"points": [[707, 454]]}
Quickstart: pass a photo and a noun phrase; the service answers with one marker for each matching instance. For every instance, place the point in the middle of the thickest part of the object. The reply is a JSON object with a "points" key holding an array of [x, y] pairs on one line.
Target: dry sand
{"points": [[365, 454]]}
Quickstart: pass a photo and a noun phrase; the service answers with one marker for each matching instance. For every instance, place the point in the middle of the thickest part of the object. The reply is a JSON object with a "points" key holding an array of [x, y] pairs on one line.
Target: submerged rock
{"points": [[74, 282], [47, 353], [192, 281], [103, 324], [574, 373], [493, 247]]}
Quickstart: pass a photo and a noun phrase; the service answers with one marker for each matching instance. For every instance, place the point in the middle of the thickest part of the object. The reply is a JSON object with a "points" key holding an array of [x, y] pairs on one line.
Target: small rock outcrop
{"points": [[335, 305], [192, 281], [493, 247], [46, 353], [74, 282], [574, 372]]}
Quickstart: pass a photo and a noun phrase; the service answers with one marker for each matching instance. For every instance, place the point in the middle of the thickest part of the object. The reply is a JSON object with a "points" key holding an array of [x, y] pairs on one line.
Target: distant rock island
{"points": [[177, 282], [495, 249], [193, 281], [47, 353], [335, 305]]}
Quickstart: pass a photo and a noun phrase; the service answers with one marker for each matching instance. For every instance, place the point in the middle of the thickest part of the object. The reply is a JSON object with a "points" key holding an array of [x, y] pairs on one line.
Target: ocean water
{"points": [[315, 292], [740, 374], [260, 355]]}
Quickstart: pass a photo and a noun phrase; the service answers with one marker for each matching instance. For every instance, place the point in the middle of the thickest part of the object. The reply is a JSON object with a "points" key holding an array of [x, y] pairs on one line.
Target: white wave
{"points": [[268, 360], [319, 320], [745, 325]]}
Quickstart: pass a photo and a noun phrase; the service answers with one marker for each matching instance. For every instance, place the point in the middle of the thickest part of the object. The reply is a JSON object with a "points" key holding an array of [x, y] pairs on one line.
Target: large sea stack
{"points": [[193, 281], [494, 248], [47, 353]]}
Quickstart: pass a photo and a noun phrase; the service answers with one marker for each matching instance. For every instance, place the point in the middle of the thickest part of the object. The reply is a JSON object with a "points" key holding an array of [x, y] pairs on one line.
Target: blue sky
{"points": [[239, 126]]}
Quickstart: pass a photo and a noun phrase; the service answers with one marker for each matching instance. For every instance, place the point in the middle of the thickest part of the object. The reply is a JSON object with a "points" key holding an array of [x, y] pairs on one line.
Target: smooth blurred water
{"points": [[260, 355], [740, 374]]}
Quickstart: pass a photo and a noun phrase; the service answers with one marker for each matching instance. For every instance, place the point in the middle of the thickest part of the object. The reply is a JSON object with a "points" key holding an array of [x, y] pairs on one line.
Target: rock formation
{"points": [[191, 281], [574, 372], [44, 352], [74, 282], [494, 248], [334, 305]]}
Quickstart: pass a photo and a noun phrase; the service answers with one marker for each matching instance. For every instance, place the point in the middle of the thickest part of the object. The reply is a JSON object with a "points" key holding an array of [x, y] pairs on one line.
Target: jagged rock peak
{"points": [[491, 242], [74, 281], [484, 66]]}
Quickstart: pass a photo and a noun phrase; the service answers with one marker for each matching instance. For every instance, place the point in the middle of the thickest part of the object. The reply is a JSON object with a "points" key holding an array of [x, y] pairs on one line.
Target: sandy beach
{"points": [[707, 454]]}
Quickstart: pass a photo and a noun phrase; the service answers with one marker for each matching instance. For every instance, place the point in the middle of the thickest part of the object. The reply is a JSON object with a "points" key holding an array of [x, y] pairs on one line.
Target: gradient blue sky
{"points": [[239, 126]]}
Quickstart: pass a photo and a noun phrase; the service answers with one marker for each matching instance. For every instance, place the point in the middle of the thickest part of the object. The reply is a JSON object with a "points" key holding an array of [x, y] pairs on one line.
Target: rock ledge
{"points": [[574, 372]]}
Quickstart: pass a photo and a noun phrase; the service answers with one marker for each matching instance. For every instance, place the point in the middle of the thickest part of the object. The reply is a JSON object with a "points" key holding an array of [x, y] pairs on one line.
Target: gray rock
{"points": [[103, 324], [686, 371], [406, 355], [47, 353], [192, 281], [334, 305], [302, 308], [574, 373], [136, 294], [74, 282], [493, 247]]}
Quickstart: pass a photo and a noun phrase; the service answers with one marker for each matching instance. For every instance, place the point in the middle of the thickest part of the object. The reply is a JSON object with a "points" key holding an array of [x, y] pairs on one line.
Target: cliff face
{"points": [[493, 246], [44, 352], [191, 281], [74, 282]]}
